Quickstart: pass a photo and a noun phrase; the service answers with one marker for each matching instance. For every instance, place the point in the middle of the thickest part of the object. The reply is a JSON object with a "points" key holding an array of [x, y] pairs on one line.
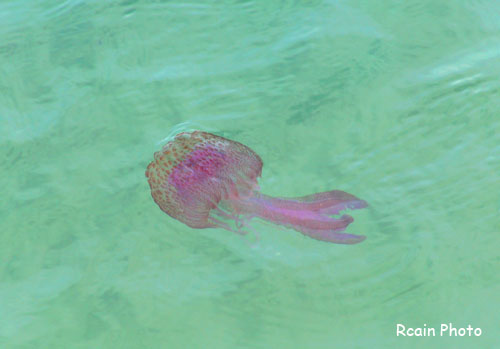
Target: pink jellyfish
{"points": [[207, 181]]}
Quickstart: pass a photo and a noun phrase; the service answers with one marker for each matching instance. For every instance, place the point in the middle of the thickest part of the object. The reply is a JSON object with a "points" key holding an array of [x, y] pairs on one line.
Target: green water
{"points": [[397, 102]]}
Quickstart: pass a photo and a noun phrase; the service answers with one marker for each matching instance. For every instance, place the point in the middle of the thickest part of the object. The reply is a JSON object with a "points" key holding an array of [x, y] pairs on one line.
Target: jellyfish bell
{"points": [[195, 171], [208, 181]]}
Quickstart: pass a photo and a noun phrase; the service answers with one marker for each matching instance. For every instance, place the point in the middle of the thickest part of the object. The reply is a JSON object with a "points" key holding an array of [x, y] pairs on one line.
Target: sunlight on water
{"points": [[394, 102]]}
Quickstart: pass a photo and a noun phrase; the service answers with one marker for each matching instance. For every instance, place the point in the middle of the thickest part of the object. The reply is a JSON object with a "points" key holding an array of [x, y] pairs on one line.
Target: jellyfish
{"points": [[207, 181]]}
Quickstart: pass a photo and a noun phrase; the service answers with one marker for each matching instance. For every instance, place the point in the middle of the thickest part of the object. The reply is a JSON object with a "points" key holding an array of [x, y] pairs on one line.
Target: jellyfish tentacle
{"points": [[218, 223]]}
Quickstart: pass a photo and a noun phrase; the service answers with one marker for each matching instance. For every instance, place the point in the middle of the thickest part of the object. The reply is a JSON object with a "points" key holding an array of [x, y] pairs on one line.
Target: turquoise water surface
{"points": [[396, 102]]}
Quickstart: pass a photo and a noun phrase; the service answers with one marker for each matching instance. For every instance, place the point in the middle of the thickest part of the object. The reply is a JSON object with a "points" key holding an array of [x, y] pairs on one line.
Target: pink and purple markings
{"points": [[207, 181]]}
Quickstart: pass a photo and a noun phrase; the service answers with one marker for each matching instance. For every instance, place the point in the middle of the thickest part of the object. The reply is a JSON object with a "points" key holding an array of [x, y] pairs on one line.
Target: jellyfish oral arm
{"points": [[309, 214]]}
